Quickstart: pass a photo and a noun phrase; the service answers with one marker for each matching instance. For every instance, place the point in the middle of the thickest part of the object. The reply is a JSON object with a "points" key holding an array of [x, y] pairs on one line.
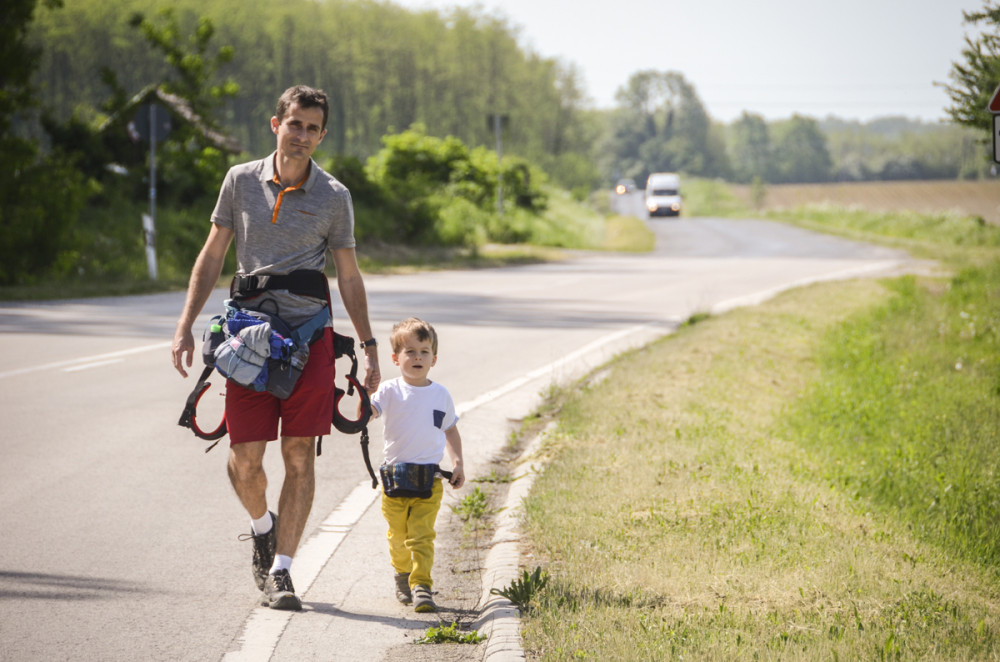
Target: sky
{"points": [[855, 59]]}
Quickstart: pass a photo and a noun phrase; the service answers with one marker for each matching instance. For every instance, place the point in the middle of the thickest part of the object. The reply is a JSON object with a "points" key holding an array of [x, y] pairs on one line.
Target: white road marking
{"points": [[85, 359], [97, 364], [763, 295]]}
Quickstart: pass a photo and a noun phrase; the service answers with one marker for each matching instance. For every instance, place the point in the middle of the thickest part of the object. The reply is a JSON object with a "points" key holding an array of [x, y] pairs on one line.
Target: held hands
{"points": [[373, 375]]}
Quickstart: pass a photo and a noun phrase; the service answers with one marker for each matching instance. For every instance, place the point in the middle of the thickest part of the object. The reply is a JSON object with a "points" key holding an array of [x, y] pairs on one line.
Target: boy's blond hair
{"points": [[422, 329]]}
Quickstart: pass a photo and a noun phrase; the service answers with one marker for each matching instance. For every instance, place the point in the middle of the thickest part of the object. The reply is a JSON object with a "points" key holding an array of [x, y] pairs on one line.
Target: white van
{"points": [[663, 194]]}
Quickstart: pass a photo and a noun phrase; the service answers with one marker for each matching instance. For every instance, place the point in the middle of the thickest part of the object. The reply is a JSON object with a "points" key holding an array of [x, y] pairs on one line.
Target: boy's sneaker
{"points": [[423, 601], [403, 588], [279, 592], [263, 551]]}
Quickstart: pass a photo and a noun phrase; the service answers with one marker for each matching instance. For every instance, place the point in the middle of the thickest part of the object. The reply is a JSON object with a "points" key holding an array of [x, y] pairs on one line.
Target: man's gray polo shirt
{"points": [[279, 230]]}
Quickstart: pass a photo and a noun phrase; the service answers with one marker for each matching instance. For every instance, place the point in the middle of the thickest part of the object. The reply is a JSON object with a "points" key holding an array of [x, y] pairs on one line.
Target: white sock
{"points": [[262, 525], [281, 562]]}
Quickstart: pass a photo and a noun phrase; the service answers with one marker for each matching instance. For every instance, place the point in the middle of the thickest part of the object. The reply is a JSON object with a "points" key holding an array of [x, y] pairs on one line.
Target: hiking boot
{"points": [[263, 551], [403, 588], [422, 599], [279, 592]]}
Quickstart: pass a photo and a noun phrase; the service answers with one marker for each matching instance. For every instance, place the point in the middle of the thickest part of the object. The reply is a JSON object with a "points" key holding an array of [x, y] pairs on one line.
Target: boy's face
{"points": [[415, 359]]}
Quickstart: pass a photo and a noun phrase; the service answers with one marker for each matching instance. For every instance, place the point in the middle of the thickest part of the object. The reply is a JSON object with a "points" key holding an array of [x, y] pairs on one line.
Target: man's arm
{"points": [[355, 300], [204, 276]]}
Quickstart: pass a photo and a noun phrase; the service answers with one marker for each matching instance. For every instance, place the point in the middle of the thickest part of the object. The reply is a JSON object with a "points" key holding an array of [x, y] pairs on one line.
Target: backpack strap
{"points": [[312, 329]]}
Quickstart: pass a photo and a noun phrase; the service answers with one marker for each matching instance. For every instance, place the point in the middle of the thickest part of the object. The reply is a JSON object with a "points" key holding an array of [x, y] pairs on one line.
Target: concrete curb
{"points": [[499, 620]]}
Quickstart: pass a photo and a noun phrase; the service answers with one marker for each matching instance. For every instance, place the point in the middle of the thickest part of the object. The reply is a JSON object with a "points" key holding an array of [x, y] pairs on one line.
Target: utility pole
{"points": [[152, 122]]}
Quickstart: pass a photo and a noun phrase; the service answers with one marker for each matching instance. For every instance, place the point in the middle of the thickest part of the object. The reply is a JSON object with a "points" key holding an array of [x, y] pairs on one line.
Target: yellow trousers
{"points": [[411, 533]]}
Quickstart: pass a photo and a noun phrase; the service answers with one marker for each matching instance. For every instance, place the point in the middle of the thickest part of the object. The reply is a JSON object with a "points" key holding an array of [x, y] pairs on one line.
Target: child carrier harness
{"points": [[260, 351]]}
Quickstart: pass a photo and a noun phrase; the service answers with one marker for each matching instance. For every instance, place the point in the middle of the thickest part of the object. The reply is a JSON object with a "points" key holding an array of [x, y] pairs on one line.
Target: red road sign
{"points": [[994, 104], [996, 137]]}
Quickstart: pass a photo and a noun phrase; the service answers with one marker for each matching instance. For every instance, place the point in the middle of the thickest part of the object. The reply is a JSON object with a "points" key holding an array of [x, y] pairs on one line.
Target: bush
{"points": [[461, 223], [421, 178], [40, 203]]}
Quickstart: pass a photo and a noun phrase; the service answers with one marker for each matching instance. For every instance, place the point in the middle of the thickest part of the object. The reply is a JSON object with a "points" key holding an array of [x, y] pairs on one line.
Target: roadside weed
{"points": [[522, 591], [494, 477], [473, 507], [449, 634]]}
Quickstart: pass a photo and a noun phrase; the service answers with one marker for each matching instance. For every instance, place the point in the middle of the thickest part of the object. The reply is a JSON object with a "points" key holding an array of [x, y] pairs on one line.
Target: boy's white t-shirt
{"points": [[415, 419]]}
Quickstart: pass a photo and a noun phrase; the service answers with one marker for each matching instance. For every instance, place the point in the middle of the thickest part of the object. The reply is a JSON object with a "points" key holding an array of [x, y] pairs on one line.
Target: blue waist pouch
{"points": [[404, 479]]}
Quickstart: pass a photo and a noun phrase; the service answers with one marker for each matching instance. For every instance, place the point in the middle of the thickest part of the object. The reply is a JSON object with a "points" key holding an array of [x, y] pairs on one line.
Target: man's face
{"points": [[299, 132]]}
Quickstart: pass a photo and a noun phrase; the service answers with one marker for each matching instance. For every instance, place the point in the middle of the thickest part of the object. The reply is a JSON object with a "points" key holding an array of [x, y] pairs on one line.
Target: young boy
{"points": [[420, 423]]}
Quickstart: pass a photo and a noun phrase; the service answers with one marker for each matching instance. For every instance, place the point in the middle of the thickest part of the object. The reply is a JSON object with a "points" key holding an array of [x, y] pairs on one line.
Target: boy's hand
{"points": [[457, 476]]}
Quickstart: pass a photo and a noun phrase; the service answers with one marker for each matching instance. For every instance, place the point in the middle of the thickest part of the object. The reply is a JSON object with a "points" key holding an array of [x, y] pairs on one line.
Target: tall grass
{"points": [[815, 478], [710, 197], [907, 411], [946, 235], [696, 523]]}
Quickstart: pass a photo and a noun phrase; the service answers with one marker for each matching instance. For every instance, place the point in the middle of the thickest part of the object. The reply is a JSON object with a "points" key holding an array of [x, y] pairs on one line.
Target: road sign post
{"points": [[152, 123]]}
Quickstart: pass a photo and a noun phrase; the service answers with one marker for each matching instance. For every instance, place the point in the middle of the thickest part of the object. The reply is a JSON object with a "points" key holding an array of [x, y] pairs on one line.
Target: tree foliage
{"points": [[39, 196], [976, 76], [95, 147], [192, 165], [750, 150], [445, 192], [800, 151], [385, 68], [661, 125]]}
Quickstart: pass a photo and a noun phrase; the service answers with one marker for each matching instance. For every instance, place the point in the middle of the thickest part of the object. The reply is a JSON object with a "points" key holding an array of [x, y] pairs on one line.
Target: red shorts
{"points": [[308, 412]]}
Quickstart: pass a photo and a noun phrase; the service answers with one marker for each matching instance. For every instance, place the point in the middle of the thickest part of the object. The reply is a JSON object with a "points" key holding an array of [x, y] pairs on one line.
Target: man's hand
{"points": [[183, 344], [373, 375], [204, 276]]}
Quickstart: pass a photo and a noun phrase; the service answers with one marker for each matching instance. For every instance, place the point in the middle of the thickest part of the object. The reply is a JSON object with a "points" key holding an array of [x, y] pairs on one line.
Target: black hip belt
{"points": [[305, 282]]}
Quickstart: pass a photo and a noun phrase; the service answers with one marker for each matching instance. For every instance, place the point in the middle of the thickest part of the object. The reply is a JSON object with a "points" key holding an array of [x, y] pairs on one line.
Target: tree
{"points": [[800, 151], [32, 219], [192, 165], [750, 149], [976, 77], [661, 125]]}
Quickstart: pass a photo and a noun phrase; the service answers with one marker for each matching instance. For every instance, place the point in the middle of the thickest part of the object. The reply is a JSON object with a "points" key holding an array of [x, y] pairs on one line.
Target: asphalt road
{"points": [[119, 534]]}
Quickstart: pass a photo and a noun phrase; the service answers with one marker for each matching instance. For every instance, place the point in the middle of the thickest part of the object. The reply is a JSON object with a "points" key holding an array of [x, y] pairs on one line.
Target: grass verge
{"points": [[945, 236], [734, 511]]}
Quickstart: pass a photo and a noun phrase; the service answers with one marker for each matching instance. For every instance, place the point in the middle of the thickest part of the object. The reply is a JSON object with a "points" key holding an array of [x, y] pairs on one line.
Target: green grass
{"points": [[811, 479], [698, 523], [907, 411], [710, 197], [949, 237]]}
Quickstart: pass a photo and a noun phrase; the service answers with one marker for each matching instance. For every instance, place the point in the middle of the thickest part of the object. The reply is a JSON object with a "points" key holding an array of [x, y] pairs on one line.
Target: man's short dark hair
{"points": [[306, 97]]}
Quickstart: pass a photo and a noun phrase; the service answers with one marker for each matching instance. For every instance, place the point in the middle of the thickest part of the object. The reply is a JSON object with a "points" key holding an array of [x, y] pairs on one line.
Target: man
{"points": [[284, 213]]}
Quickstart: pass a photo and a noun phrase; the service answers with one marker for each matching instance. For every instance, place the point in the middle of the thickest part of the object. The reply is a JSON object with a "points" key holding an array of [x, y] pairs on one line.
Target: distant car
{"points": [[624, 186], [663, 194]]}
